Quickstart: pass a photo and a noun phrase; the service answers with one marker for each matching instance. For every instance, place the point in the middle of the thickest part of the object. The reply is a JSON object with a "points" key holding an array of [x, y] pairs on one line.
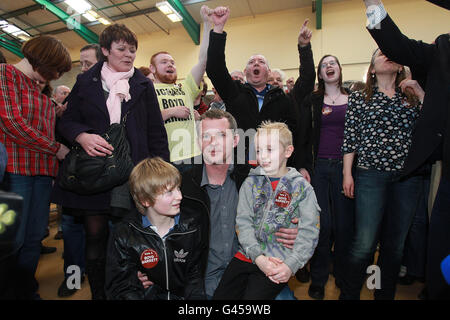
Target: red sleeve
{"points": [[12, 121]]}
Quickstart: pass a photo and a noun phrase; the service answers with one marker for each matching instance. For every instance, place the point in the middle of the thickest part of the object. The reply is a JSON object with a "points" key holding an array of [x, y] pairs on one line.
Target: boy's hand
{"points": [[265, 265], [144, 279], [282, 273], [287, 236]]}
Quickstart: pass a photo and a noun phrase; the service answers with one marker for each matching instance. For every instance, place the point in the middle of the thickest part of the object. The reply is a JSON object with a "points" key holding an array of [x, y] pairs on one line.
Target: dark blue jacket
{"points": [[87, 112]]}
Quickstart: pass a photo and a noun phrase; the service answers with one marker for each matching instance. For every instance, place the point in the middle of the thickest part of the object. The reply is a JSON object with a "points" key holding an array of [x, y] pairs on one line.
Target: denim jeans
{"points": [[415, 253], [385, 207], [74, 242], [336, 221], [35, 191], [439, 243], [3, 161]]}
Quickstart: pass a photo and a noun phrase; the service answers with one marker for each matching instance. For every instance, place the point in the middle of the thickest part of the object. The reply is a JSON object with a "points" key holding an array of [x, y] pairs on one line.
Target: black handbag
{"points": [[84, 174]]}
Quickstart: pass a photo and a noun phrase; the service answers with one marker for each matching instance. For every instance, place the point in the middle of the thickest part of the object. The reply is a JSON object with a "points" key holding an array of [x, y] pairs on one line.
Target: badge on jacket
{"points": [[149, 258], [283, 199]]}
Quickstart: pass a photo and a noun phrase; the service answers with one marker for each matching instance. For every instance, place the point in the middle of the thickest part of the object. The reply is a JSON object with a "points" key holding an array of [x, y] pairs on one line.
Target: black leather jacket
{"points": [[174, 263]]}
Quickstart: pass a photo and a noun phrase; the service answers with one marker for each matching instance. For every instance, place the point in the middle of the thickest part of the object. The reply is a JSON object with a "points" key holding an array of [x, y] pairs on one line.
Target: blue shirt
{"points": [[260, 95], [146, 223]]}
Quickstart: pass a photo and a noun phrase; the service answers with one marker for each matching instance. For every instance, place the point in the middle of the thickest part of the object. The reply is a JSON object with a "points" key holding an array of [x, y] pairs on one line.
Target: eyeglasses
{"points": [[331, 63]]}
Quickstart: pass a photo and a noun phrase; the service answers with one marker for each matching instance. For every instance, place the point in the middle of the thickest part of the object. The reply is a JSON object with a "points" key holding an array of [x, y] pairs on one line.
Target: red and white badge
{"points": [[283, 199], [327, 110], [149, 258]]}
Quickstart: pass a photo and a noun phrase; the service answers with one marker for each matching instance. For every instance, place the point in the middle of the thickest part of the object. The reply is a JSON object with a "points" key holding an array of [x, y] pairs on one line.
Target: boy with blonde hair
{"points": [[271, 196], [167, 244]]}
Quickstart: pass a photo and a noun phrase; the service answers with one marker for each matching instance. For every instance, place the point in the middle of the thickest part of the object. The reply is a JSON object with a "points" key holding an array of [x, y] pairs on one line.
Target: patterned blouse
{"points": [[379, 131]]}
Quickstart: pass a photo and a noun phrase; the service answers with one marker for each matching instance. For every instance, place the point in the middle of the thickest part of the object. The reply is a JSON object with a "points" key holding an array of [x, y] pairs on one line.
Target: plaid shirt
{"points": [[27, 125]]}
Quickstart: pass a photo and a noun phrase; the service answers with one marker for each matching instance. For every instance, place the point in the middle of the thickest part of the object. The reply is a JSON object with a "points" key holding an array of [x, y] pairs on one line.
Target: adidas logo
{"points": [[180, 255]]}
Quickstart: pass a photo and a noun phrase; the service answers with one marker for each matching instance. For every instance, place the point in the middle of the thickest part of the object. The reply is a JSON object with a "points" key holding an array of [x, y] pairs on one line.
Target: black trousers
{"points": [[244, 281]]}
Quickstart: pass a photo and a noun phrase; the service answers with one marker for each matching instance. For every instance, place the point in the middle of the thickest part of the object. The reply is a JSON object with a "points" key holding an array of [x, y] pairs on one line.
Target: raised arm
{"points": [[393, 43], [216, 66], [198, 70], [307, 74]]}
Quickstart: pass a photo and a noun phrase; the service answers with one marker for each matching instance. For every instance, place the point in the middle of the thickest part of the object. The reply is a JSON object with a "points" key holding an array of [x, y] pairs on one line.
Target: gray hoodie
{"points": [[262, 211]]}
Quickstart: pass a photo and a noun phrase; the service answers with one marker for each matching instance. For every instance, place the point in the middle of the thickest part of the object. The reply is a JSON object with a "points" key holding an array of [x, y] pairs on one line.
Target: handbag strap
{"points": [[124, 118]]}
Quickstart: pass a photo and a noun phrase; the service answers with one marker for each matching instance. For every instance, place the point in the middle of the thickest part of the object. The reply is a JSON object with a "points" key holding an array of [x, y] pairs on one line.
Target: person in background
{"points": [[199, 105], [357, 86], [33, 151], [238, 75], [276, 78], [217, 102]]}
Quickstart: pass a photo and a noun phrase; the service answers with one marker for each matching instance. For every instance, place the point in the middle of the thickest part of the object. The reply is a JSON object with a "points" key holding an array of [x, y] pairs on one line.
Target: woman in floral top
{"points": [[378, 127]]}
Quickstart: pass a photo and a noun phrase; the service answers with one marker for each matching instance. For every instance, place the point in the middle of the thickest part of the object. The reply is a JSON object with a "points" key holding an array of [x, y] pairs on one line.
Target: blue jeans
{"points": [[415, 253], [3, 161], [439, 242], [286, 294], [336, 219], [35, 191], [385, 207], [74, 242]]}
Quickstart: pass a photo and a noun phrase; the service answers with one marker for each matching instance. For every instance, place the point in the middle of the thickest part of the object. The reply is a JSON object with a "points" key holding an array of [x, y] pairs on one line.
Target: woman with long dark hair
{"points": [[322, 124], [378, 128]]}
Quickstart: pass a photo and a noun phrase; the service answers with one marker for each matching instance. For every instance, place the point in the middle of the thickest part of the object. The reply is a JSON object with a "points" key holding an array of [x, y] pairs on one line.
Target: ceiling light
{"points": [[80, 6], [104, 21], [169, 11], [93, 13], [174, 17], [89, 16], [24, 37], [165, 7], [14, 30]]}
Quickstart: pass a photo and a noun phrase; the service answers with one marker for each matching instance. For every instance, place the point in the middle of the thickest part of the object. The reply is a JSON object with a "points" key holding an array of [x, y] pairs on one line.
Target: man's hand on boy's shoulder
{"points": [[144, 279], [287, 236]]}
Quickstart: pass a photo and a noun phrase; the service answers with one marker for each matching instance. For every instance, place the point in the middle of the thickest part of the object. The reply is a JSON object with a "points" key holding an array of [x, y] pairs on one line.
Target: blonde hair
{"points": [[150, 178], [284, 134]]}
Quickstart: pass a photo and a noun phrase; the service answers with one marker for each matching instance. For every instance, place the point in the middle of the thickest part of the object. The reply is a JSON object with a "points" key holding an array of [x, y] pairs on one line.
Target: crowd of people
{"points": [[273, 178]]}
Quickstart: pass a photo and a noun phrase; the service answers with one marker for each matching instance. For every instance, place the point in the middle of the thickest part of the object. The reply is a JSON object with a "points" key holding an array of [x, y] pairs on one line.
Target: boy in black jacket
{"points": [[160, 241]]}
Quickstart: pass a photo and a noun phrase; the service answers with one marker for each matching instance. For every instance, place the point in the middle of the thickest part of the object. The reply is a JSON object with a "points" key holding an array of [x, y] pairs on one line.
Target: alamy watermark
{"points": [[374, 280], [73, 281]]}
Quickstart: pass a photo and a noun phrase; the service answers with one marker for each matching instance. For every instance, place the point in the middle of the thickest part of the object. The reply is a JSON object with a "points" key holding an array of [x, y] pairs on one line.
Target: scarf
{"points": [[118, 86]]}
